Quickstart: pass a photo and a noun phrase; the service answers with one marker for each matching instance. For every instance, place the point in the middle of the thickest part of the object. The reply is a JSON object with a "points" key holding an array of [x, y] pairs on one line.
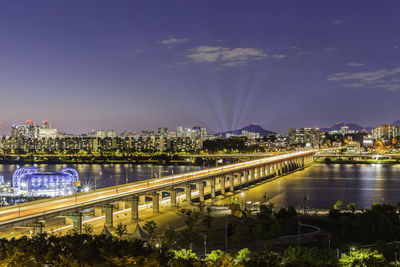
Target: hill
{"points": [[254, 128], [352, 127]]}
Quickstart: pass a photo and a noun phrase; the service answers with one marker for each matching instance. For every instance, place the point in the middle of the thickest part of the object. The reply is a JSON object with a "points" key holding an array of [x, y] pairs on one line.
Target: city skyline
{"points": [[48, 125], [94, 65]]}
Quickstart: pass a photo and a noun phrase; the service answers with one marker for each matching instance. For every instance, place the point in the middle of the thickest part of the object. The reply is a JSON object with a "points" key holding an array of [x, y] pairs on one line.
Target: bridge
{"points": [[212, 181]]}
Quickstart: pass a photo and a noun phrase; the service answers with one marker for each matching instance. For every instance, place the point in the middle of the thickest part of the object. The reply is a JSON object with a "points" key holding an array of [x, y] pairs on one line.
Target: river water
{"points": [[319, 186], [104, 175]]}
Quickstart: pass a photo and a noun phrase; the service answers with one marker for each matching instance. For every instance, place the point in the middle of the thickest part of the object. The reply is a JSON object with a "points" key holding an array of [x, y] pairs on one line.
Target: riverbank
{"points": [[159, 159], [357, 161]]}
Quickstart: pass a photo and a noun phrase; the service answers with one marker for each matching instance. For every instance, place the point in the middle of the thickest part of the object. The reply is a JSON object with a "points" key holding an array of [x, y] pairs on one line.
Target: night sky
{"points": [[220, 64]]}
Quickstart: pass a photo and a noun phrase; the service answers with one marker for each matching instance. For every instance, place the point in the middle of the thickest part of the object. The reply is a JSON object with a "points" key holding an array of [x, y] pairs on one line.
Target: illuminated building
{"points": [[385, 131], [47, 133], [45, 124], [30, 181], [307, 136], [111, 134]]}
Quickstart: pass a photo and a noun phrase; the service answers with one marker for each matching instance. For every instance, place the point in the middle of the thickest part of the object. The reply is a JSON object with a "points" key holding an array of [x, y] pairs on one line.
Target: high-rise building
{"points": [[385, 131], [111, 134], [162, 131], [47, 133], [45, 124], [305, 136]]}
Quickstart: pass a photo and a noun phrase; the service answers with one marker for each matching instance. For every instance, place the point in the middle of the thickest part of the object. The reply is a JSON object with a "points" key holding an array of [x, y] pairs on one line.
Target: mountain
{"points": [[254, 128], [352, 127]]}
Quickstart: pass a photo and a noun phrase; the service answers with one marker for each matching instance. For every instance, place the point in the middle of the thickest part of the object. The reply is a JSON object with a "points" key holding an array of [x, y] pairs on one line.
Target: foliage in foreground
{"points": [[87, 250]]}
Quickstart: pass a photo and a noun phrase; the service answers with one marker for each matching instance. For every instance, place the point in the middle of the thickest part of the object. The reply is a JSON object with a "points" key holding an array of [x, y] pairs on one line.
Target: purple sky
{"points": [[221, 64]]}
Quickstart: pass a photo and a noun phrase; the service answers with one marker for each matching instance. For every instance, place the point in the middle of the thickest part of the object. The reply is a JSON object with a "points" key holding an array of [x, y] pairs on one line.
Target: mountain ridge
{"points": [[254, 128]]}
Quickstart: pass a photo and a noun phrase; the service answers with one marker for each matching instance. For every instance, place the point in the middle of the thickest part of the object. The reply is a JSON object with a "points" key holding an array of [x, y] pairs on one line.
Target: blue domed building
{"points": [[31, 181]]}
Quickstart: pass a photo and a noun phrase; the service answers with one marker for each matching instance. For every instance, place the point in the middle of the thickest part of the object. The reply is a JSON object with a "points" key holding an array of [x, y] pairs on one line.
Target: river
{"points": [[320, 185], [104, 175]]}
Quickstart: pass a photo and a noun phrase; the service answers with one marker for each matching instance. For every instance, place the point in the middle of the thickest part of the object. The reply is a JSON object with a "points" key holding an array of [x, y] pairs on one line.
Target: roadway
{"points": [[51, 207]]}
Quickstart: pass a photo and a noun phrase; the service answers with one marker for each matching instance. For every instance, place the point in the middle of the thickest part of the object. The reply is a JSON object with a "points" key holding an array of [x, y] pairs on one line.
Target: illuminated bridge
{"points": [[218, 180]]}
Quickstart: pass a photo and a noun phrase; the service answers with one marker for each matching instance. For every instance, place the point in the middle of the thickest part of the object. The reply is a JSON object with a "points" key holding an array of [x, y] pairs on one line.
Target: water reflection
{"points": [[103, 175], [324, 184]]}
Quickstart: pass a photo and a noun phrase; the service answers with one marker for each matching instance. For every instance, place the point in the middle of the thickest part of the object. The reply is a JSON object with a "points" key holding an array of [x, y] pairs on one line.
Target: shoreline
{"points": [[366, 162]]}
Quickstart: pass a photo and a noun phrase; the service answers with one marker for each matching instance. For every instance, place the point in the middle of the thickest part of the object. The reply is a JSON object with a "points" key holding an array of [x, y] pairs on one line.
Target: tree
{"points": [[338, 205], [121, 230], [150, 227], [183, 257], [363, 257], [170, 237], [265, 211], [218, 258], [351, 206], [265, 258], [286, 213], [304, 256], [243, 256], [87, 229]]}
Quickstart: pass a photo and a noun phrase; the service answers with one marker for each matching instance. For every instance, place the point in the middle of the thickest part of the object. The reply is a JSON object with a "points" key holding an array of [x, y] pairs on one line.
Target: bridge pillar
{"points": [[134, 207], [212, 187], [255, 175], [246, 177], [142, 199], [275, 166], [222, 185], [188, 190], [172, 194], [250, 175], [109, 216], [98, 212], [232, 183], [155, 197], [77, 222], [201, 190], [121, 205]]}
